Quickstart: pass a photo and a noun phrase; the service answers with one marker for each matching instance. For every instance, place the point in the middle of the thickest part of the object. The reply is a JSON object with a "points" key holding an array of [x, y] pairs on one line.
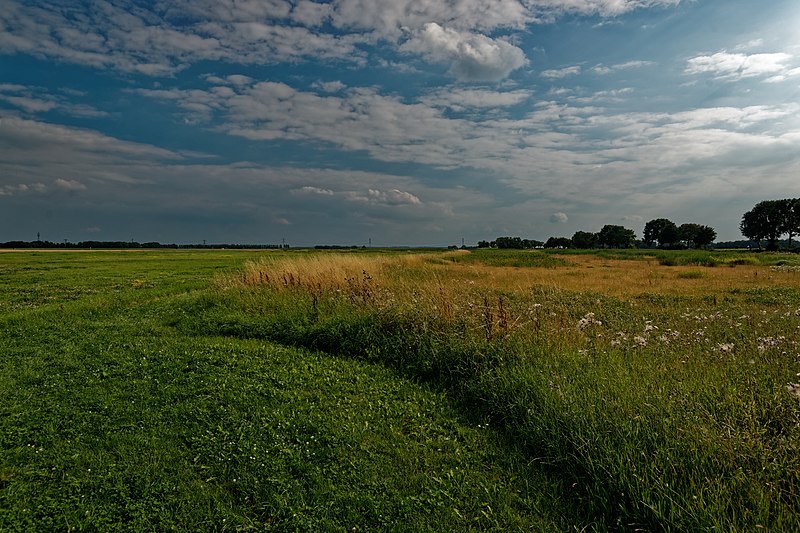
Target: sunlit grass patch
{"points": [[649, 395]]}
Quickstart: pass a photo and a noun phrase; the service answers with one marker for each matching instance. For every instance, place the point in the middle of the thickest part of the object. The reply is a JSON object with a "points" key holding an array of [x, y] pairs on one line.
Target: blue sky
{"points": [[407, 122]]}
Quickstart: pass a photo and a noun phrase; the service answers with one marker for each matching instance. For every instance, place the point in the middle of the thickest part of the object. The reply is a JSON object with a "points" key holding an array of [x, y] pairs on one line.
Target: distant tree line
{"points": [[610, 236], [660, 232], [125, 245], [666, 234], [770, 220]]}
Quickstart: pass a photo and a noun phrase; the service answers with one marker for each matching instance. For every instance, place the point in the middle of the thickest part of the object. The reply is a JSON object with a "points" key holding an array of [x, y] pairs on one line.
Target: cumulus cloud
{"points": [[33, 100], [330, 86], [462, 99], [313, 190], [561, 73], [734, 66], [163, 38], [394, 197], [559, 218], [628, 65], [69, 185], [604, 8], [390, 19], [549, 143], [22, 188], [472, 57]]}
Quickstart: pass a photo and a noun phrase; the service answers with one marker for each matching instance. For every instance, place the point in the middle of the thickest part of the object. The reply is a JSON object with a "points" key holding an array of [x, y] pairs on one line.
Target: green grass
{"points": [[660, 412], [508, 258], [114, 419], [137, 394]]}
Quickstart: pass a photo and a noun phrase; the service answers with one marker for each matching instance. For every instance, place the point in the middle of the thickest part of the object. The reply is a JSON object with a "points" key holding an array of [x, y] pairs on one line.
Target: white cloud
{"points": [[69, 185], [628, 65], [308, 189], [561, 73], [783, 76], [394, 197], [727, 66], [559, 218], [166, 37], [390, 19], [473, 57], [34, 100], [330, 86], [461, 99], [606, 8], [22, 188]]}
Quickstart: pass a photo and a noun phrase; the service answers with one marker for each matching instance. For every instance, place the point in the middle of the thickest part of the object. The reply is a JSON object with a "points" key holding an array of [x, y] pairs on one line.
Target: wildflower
{"points": [[588, 320], [648, 326], [793, 389], [765, 343], [725, 347]]}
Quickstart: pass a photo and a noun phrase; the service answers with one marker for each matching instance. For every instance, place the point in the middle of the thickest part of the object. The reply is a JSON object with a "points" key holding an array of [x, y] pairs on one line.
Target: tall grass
{"points": [[664, 409]]}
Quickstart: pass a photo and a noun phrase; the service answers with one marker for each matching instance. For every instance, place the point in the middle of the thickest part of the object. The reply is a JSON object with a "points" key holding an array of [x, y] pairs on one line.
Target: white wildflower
{"points": [[793, 389], [588, 320], [725, 347]]}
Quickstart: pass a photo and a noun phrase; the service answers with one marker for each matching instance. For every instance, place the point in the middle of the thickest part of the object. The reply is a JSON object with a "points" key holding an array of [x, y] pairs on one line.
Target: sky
{"points": [[392, 122]]}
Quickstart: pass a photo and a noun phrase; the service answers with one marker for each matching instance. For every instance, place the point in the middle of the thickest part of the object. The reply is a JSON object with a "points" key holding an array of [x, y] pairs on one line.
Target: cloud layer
{"points": [[419, 120]]}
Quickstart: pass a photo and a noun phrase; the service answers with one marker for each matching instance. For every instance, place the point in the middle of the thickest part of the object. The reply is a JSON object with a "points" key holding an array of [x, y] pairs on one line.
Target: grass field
{"points": [[197, 390]]}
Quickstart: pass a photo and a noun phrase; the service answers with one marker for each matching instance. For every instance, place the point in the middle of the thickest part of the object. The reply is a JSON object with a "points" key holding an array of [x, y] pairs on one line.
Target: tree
{"points": [[697, 235], [509, 242], [705, 236], [662, 230], [529, 244], [558, 242], [584, 239], [613, 236], [767, 220], [792, 218]]}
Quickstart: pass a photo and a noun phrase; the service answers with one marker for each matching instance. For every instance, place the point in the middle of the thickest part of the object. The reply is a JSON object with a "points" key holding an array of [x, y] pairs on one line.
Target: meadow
{"points": [[402, 391]]}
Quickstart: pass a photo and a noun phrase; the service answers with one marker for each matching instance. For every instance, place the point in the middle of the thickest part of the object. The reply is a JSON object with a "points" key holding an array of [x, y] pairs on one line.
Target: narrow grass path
{"points": [[112, 420]]}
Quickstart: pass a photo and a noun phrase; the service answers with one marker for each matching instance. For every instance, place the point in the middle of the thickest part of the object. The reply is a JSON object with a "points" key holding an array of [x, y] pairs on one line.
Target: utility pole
{"points": [[38, 237], [370, 242]]}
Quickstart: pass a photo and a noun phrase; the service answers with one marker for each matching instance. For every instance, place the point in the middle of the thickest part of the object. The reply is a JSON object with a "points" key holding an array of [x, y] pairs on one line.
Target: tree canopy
{"points": [[584, 240], [770, 219], [614, 236], [661, 230]]}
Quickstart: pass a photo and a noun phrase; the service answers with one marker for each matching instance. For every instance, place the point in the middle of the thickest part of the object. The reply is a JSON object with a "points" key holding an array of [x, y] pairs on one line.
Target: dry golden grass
{"points": [[416, 276], [631, 278]]}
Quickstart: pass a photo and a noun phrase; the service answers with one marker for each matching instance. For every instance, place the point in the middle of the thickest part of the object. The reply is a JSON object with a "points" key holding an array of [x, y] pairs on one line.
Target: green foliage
{"points": [[652, 411], [558, 242], [510, 258], [770, 220], [513, 243], [660, 230], [584, 240], [150, 402], [114, 420], [616, 237]]}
